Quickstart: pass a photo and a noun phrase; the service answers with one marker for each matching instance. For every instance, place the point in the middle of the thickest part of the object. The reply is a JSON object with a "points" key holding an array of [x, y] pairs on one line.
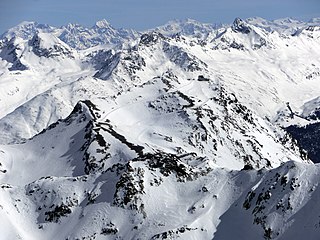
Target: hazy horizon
{"points": [[144, 15]]}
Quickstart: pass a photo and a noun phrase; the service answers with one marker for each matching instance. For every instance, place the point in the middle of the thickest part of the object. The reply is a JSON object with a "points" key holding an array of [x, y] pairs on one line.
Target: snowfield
{"points": [[185, 131]]}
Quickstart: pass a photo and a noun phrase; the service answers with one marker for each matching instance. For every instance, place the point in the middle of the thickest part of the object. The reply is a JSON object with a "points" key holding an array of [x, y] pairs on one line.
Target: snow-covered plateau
{"points": [[185, 131]]}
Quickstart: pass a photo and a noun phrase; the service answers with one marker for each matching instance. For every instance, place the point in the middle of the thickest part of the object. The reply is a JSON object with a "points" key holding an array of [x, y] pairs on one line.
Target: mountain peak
{"points": [[238, 22], [315, 20], [187, 27], [72, 26], [287, 20], [240, 26], [27, 23], [26, 30], [103, 24], [48, 45]]}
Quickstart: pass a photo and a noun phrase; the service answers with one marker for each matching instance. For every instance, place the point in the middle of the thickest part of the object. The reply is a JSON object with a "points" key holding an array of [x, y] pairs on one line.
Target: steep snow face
{"points": [[47, 45], [55, 151], [31, 67], [241, 36], [172, 133], [92, 178], [310, 31], [276, 205], [153, 195]]}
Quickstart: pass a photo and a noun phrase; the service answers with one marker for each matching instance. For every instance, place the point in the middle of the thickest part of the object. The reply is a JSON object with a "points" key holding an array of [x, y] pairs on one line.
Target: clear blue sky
{"points": [[144, 14]]}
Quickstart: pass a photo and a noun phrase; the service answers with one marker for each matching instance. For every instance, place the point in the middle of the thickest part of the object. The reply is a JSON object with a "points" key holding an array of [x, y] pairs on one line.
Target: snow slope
{"points": [[176, 132]]}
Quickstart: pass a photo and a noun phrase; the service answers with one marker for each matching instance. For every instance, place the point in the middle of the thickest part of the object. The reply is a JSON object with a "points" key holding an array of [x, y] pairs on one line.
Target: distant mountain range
{"points": [[188, 130]]}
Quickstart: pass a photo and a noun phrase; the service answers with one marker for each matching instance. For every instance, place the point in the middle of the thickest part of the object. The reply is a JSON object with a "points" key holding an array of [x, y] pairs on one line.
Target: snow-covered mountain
{"points": [[76, 35], [188, 27], [188, 130]]}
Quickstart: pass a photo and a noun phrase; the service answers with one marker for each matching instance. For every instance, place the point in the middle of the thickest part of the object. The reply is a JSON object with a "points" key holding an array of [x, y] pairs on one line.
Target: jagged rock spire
{"points": [[240, 26]]}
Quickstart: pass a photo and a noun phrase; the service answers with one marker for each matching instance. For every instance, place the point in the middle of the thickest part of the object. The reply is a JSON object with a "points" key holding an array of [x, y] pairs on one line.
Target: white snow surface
{"points": [[176, 132]]}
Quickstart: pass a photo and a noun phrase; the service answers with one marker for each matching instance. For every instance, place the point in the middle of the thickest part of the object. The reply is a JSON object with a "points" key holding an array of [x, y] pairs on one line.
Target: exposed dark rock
{"points": [[149, 39], [53, 51], [183, 59], [110, 229], [236, 45], [202, 78], [109, 65], [175, 233], [99, 58], [10, 52], [57, 213], [308, 138], [240, 26], [109, 128]]}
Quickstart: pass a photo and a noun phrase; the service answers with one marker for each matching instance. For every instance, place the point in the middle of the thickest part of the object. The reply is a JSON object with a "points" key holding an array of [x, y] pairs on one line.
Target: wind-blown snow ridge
{"points": [[188, 130]]}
